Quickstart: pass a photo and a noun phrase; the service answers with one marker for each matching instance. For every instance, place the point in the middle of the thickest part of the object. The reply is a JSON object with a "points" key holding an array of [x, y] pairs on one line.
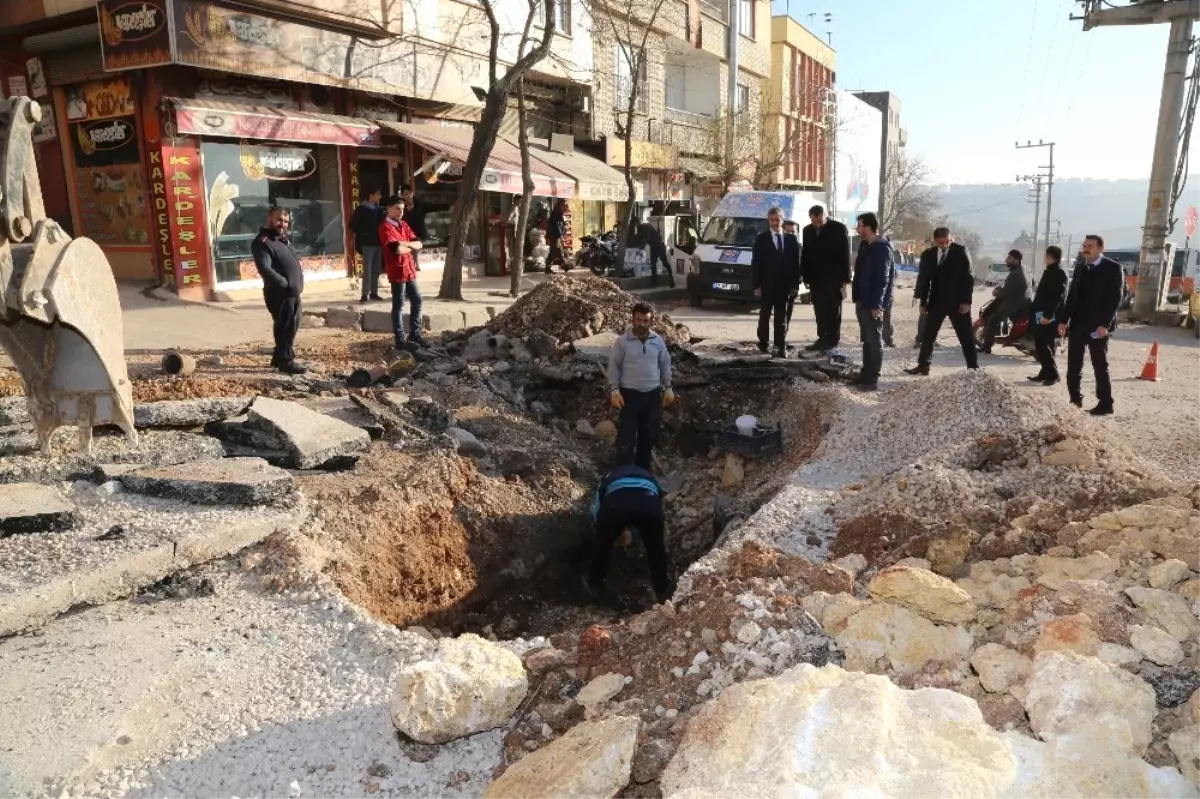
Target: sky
{"points": [[975, 76]]}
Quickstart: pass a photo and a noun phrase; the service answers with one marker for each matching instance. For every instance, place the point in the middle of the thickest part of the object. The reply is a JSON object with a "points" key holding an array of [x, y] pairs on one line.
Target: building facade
{"points": [[798, 127], [172, 125], [894, 140]]}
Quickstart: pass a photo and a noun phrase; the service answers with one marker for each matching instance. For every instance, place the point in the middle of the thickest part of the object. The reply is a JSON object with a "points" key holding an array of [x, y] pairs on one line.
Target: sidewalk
{"points": [[156, 319]]}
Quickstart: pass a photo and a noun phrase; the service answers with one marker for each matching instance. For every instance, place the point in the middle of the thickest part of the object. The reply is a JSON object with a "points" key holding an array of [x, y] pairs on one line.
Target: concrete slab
{"points": [[440, 322], [312, 439], [345, 410], [33, 508], [596, 347], [346, 318], [189, 413], [232, 481], [155, 448], [476, 316], [45, 574]]}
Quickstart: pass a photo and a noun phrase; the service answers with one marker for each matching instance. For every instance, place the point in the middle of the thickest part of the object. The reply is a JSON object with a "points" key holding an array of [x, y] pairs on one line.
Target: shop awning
{"points": [[503, 170], [594, 179], [234, 120]]}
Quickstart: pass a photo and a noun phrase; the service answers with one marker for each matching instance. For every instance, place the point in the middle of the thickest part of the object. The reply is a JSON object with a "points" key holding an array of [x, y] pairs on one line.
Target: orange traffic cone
{"points": [[1150, 370]]}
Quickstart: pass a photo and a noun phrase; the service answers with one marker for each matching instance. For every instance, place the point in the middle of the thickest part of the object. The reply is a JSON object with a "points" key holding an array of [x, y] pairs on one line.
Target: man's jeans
{"points": [[399, 290], [372, 267], [870, 330]]}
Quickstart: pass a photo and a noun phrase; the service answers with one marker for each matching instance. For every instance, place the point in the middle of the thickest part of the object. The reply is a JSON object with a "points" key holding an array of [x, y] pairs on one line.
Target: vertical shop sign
{"points": [[178, 192], [350, 165]]}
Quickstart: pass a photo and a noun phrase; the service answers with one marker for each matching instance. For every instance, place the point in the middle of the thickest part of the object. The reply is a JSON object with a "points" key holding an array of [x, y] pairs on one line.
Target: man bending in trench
{"points": [[628, 499]]}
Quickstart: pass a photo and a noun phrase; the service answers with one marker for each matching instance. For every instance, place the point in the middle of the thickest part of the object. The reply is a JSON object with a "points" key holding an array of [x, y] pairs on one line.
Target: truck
{"points": [[1185, 264], [720, 266]]}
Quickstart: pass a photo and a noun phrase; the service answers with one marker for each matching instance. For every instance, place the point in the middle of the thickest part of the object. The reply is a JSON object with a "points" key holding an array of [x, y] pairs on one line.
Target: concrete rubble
{"points": [[230, 481], [33, 508], [310, 439], [188, 413]]}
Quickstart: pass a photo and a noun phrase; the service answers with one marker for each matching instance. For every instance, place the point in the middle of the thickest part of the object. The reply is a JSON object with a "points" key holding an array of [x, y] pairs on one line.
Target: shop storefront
{"points": [[599, 188]]}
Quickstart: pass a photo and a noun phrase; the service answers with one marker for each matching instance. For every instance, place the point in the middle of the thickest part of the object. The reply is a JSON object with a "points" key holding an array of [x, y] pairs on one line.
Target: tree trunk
{"points": [[627, 222], [514, 287]]}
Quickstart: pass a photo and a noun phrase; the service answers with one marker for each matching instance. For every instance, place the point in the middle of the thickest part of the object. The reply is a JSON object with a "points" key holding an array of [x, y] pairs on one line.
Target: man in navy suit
{"points": [[776, 265]]}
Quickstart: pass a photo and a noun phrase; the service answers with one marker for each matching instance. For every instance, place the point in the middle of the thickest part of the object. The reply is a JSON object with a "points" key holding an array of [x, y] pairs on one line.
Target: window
{"points": [[746, 18], [245, 179], [742, 101], [627, 58], [562, 15]]}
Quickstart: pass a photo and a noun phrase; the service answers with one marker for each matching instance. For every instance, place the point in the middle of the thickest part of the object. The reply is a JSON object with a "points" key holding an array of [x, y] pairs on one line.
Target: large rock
{"points": [[1068, 692], [231, 481], [1185, 745], [999, 667], [1172, 685], [1052, 571], [1152, 514], [597, 692], [593, 759], [33, 508], [992, 588], [924, 592], [1169, 611], [1068, 634], [907, 640], [466, 686], [828, 733], [311, 439], [1166, 574], [1158, 646], [189, 413]]}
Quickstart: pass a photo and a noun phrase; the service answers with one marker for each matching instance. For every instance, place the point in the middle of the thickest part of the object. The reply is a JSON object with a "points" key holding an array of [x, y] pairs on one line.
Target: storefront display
{"points": [[244, 179], [109, 180]]}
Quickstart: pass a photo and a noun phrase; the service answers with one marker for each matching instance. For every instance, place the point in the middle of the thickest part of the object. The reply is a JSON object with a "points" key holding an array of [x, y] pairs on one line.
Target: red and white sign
{"points": [[1189, 221], [274, 127]]}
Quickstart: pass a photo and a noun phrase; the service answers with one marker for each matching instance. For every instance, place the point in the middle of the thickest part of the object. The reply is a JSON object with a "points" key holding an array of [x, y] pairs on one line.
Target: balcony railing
{"points": [[689, 117], [715, 9]]}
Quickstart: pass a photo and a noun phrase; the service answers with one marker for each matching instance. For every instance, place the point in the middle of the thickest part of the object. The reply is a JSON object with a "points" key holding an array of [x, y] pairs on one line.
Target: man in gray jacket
{"points": [[1013, 299], [639, 374]]}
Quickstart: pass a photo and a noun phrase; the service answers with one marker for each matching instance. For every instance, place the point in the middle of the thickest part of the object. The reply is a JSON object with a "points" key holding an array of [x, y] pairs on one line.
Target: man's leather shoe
{"points": [[292, 368], [1039, 377], [779, 352], [1050, 381], [1102, 409], [1077, 402], [762, 347], [919, 369]]}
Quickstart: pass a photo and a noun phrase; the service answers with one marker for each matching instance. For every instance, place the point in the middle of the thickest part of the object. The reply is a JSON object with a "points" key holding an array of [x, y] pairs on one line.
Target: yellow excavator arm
{"points": [[60, 316]]}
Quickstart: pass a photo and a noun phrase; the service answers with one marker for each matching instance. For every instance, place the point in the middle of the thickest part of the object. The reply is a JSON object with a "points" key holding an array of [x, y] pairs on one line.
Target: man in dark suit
{"points": [[776, 266], [825, 268], [1089, 317], [926, 266], [945, 294]]}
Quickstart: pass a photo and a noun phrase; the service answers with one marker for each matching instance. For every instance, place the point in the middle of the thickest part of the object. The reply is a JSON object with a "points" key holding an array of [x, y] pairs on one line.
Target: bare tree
{"points": [[486, 131], [630, 22], [517, 258], [909, 203]]}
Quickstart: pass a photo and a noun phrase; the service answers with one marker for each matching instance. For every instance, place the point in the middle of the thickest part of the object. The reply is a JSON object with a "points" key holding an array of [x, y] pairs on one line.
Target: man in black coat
{"points": [[1089, 317], [414, 212], [283, 283], [946, 294], [648, 236], [825, 268], [1047, 309], [776, 266], [364, 223], [926, 266], [1013, 300], [556, 228]]}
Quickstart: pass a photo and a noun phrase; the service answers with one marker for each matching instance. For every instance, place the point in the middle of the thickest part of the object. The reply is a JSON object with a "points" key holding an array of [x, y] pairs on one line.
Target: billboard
{"points": [[856, 166]]}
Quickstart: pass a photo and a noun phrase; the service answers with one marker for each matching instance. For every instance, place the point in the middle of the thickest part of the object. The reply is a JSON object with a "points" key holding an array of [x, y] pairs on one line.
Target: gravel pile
{"points": [[571, 308]]}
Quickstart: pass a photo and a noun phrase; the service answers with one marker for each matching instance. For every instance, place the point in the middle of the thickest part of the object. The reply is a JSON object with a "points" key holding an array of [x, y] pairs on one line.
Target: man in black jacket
{"points": [[926, 266], [1013, 300], [648, 236], [775, 263], [825, 268], [1089, 317], [364, 223], [1047, 309], [556, 228], [945, 294], [414, 212], [283, 283]]}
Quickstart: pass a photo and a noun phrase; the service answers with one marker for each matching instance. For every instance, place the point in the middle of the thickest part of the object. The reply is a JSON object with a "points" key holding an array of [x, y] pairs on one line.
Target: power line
{"points": [[1078, 79], [1046, 69], [1028, 53]]}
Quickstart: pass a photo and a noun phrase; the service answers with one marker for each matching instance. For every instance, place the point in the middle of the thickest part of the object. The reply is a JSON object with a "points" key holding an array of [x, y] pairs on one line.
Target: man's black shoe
{"points": [[419, 341], [779, 352], [984, 350], [1077, 402], [919, 369], [292, 368], [1103, 409], [1039, 377], [376, 298], [762, 347], [816, 346], [1050, 381]]}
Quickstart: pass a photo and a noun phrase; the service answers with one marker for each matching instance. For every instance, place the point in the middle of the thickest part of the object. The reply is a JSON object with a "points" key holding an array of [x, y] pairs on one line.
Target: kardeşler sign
{"points": [[134, 33]]}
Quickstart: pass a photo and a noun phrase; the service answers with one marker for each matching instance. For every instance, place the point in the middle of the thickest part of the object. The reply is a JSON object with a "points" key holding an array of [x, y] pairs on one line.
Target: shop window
{"points": [[243, 180]]}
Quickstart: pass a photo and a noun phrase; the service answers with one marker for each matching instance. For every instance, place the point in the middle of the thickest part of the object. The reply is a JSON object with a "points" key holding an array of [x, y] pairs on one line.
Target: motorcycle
{"points": [[1016, 333], [599, 254]]}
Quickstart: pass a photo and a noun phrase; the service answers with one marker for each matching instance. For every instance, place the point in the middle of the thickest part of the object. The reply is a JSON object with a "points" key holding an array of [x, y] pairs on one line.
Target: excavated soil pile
{"points": [[571, 308], [986, 472]]}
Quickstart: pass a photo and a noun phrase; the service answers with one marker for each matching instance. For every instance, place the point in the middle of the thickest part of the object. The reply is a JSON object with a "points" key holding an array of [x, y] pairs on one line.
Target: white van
{"points": [[720, 267]]}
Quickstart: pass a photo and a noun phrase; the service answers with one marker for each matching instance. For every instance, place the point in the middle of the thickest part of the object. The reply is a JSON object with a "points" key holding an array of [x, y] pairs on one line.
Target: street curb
{"points": [[30, 608]]}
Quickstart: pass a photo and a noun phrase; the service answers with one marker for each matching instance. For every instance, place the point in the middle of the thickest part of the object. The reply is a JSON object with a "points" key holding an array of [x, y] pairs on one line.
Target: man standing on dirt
{"points": [[825, 269], [399, 245], [945, 284], [283, 283], [630, 499], [775, 264], [639, 374], [365, 225], [1089, 318], [874, 277]]}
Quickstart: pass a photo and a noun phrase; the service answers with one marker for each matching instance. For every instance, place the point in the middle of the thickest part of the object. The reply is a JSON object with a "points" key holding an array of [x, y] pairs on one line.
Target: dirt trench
{"points": [[452, 543]]}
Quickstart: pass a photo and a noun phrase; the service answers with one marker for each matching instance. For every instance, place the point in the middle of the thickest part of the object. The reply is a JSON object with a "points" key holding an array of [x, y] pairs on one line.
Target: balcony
{"points": [[903, 137], [691, 118], [715, 9]]}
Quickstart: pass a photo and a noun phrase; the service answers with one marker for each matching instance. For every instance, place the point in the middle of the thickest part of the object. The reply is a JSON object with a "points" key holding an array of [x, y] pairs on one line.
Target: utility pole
{"points": [[1049, 182], [1180, 14], [731, 85], [1037, 215]]}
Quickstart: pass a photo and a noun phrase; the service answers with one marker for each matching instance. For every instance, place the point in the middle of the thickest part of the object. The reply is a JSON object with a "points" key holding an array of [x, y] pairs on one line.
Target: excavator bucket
{"points": [[60, 317]]}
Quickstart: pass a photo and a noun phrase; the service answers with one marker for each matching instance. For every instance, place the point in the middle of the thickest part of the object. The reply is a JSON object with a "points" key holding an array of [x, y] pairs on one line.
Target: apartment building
{"points": [[683, 103], [172, 125], [800, 109], [894, 139]]}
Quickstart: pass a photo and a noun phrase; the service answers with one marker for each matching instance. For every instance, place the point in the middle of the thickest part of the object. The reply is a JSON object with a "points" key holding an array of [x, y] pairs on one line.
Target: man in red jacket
{"points": [[399, 243]]}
